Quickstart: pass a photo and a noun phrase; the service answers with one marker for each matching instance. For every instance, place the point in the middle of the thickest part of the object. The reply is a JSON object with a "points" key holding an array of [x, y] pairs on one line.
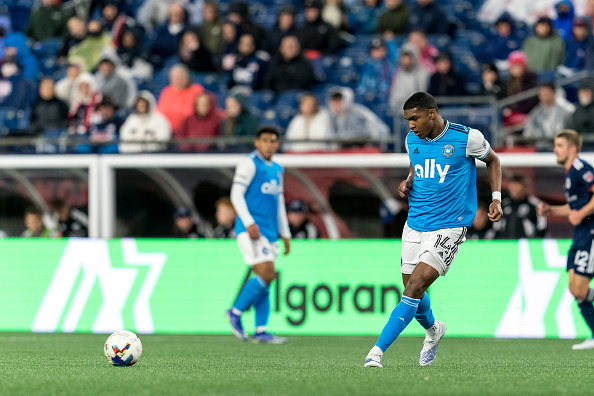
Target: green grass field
{"points": [[38, 364]]}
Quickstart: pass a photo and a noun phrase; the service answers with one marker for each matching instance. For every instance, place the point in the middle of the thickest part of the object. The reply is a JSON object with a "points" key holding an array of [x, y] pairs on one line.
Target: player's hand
{"points": [[544, 209], [495, 211], [575, 217], [253, 231], [287, 243], [404, 188]]}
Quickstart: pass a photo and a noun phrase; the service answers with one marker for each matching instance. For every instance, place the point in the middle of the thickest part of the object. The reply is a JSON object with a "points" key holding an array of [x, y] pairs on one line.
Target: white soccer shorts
{"points": [[257, 251], [436, 248]]}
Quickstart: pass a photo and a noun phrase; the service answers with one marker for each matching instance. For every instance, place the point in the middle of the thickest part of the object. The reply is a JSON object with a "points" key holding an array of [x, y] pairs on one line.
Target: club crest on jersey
{"points": [[588, 177], [448, 150]]}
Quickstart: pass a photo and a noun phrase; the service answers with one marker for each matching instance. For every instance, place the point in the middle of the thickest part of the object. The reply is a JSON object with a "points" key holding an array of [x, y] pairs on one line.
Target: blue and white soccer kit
{"points": [[258, 198], [443, 198], [579, 183]]}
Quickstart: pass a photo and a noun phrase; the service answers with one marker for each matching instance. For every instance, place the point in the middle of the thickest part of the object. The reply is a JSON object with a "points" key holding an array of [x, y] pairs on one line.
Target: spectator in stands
{"points": [[16, 47], [429, 17], [316, 36], [65, 87], [352, 121], [239, 121], [91, 48], [230, 44], [77, 31], [105, 127], [176, 101], [499, 45], [545, 50], [145, 127], [211, 30], [589, 12], [300, 226], [34, 224], [48, 112], [564, 21], [335, 13], [250, 66], [47, 21], [427, 52], [520, 79], [165, 41], [185, 225], [239, 14], [312, 125], [376, 73], [15, 90], [134, 57], [193, 54], [153, 13], [491, 83], [394, 21], [365, 15], [84, 99], [72, 222], [409, 77], [115, 21], [520, 215], [575, 49], [225, 216], [110, 82], [482, 227], [582, 120], [205, 122], [546, 119], [289, 69], [446, 81], [285, 26]]}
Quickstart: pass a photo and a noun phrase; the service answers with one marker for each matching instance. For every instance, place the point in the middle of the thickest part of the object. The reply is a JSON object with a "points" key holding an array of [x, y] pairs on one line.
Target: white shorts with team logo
{"points": [[436, 248], [256, 251]]}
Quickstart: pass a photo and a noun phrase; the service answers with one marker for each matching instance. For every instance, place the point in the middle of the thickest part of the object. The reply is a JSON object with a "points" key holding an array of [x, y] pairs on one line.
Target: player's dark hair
{"points": [[548, 84], [33, 210], [421, 101], [267, 129], [58, 204], [572, 137]]}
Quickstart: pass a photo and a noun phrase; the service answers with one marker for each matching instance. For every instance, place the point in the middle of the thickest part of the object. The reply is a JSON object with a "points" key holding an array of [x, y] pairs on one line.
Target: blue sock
{"points": [[424, 313], [250, 291], [587, 310], [262, 306], [399, 319]]}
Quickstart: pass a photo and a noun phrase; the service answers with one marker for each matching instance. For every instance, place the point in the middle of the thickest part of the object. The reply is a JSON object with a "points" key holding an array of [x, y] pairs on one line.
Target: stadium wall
{"points": [[344, 287]]}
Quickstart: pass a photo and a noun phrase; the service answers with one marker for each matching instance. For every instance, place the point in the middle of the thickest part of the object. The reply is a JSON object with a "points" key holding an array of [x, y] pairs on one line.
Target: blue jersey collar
{"points": [[441, 134], [257, 154]]}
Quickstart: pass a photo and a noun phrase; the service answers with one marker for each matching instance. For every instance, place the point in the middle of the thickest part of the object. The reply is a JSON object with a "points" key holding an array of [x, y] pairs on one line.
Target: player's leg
{"points": [[267, 272], [424, 313], [579, 286]]}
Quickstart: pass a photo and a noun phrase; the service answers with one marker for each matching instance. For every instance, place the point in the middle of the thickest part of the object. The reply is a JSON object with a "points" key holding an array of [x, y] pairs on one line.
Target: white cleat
{"points": [[429, 351], [374, 357], [587, 344]]}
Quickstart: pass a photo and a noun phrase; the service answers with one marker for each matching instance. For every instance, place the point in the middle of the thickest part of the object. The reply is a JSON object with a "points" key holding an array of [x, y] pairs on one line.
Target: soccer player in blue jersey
{"points": [[579, 209], [441, 191], [257, 197]]}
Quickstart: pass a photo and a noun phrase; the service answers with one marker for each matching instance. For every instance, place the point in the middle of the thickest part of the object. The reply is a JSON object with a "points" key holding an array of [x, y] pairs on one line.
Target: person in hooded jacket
{"points": [[205, 122], [565, 18], [316, 36], [545, 50], [239, 121], [491, 82], [133, 56], [575, 49], [289, 69], [377, 71], [364, 16], [111, 83], [353, 121], [14, 45], [446, 81], [145, 127], [85, 98], [500, 44], [286, 25], [409, 77]]}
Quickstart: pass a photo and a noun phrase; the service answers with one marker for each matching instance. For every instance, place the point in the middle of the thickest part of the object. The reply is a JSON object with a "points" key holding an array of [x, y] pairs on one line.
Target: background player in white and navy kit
{"points": [[441, 190], [579, 209], [258, 198]]}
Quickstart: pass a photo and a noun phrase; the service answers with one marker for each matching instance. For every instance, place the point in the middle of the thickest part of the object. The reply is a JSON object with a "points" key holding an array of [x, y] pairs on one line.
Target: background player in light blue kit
{"points": [[441, 190], [257, 196], [579, 183]]}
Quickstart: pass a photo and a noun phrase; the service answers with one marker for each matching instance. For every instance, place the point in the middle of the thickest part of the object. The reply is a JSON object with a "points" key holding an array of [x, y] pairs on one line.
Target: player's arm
{"points": [[283, 223], [406, 185], [494, 170], [244, 174], [544, 209], [576, 216]]}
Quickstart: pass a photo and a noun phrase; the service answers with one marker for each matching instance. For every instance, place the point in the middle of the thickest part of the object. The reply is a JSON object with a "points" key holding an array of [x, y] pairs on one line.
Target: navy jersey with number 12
{"points": [[579, 183], [443, 193]]}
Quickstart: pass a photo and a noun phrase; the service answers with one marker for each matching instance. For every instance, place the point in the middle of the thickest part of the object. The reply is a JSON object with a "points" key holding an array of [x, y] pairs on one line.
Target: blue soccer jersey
{"points": [[443, 194], [579, 182], [263, 181]]}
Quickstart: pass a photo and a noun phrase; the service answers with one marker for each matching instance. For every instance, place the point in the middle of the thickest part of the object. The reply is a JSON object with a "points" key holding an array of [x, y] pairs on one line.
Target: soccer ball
{"points": [[123, 348]]}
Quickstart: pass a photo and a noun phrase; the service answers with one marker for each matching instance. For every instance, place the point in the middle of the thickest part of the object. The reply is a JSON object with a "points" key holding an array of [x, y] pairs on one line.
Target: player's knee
{"points": [[414, 289], [578, 292], [268, 276]]}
